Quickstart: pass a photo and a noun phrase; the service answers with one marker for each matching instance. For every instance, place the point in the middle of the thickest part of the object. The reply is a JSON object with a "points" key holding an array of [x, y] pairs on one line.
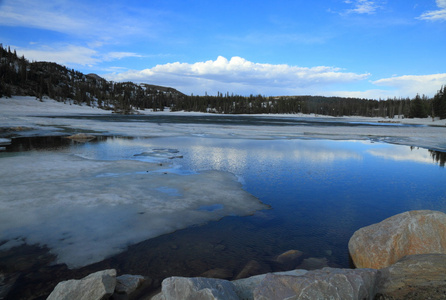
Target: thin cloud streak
{"points": [[435, 15]]}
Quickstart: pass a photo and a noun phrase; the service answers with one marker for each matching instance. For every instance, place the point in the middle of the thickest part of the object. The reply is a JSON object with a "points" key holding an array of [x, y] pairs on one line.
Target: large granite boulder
{"points": [[415, 232], [96, 286], [420, 276], [327, 283], [196, 288]]}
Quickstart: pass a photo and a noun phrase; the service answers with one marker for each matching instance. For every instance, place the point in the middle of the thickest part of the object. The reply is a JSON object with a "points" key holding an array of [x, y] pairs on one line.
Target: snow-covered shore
{"points": [[22, 111]]}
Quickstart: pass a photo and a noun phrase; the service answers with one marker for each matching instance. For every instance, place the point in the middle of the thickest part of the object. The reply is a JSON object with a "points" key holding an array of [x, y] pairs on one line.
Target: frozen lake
{"points": [[163, 195], [318, 191]]}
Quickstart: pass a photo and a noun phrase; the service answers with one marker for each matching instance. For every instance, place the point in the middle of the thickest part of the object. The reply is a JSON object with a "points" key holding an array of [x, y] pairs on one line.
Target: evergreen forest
{"points": [[18, 76]]}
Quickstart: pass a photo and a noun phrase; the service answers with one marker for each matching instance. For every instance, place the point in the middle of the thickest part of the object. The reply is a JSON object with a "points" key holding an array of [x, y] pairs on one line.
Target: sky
{"points": [[351, 48]]}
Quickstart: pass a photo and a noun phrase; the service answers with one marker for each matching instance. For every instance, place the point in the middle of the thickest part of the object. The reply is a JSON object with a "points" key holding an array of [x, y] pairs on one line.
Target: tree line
{"points": [[18, 76]]}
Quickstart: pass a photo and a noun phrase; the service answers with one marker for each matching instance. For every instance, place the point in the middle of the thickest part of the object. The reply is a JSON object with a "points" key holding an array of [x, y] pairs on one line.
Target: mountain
{"points": [[18, 76]]}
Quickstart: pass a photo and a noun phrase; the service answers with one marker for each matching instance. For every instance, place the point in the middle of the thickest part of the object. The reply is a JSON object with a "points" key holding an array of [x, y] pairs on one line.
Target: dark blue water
{"points": [[320, 191]]}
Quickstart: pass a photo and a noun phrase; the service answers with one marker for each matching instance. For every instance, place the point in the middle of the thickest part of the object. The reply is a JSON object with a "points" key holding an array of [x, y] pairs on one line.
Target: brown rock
{"points": [[422, 274], [415, 232], [81, 137], [290, 258], [250, 269]]}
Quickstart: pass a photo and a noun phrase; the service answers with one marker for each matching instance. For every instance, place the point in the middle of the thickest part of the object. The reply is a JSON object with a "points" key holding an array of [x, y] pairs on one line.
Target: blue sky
{"points": [[359, 48]]}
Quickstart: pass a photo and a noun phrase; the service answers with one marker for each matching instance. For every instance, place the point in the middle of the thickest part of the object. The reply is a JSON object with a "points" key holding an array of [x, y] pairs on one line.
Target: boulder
{"points": [[415, 232], [244, 288], [327, 283], [197, 288], [127, 284], [423, 275], [99, 285]]}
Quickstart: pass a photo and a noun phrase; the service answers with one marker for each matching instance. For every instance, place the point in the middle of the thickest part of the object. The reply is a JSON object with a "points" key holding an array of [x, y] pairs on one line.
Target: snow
{"points": [[22, 111], [86, 210]]}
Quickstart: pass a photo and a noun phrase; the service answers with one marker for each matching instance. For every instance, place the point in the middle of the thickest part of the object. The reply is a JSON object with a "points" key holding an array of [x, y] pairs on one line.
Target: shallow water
{"points": [[320, 192]]}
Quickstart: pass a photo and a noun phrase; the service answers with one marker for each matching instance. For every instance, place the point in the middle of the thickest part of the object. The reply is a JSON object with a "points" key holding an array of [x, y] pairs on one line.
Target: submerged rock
{"points": [[99, 285], [328, 283], [252, 268], [218, 273], [127, 284], [289, 259], [313, 263], [81, 137], [421, 274], [415, 232]]}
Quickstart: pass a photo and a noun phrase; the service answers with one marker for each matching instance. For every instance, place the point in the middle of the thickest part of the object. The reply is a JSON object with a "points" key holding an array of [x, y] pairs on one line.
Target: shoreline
{"points": [[24, 116]]}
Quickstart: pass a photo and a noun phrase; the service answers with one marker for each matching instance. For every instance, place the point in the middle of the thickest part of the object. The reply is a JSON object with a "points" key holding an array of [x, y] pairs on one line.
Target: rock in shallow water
{"points": [[415, 232], [127, 284]]}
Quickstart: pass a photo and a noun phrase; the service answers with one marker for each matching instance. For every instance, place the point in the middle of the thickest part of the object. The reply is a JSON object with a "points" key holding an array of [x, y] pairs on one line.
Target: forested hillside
{"points": [[18, 76]]}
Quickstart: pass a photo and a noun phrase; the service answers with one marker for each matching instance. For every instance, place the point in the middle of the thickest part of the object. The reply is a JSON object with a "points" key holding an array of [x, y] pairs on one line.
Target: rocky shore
{"points": [[402, 257]]}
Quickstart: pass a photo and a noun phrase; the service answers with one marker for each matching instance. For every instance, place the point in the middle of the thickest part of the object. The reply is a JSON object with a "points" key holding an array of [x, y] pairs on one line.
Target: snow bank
{"points": [[85, 210]]}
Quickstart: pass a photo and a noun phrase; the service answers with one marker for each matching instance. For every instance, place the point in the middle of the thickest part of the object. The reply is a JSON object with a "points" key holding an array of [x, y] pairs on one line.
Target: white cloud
{"points": [[362, 7], [436, 15], [239, 75], [410, 85], [64, 55], [81, 19], [52, 16], [120, 55], [71, 54]]}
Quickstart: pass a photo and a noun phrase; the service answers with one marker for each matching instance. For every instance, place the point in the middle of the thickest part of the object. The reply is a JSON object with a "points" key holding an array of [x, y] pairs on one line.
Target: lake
{"points": [[317, 192]]}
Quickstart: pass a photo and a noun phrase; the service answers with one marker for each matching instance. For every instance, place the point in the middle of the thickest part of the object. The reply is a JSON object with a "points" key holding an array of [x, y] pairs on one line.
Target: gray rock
{"points": [[419, 274], [244, 288], [127, 284], [415, 232], [96, 286], [328, 283], [197, 288]]}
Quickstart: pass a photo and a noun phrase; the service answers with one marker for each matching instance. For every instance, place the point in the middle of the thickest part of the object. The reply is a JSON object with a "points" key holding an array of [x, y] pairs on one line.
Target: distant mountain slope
{"points": [[18, 76]]}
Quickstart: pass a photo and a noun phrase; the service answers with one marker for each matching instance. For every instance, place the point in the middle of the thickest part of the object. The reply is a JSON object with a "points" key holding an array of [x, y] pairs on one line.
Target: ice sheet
{"points": [[83, 215], [29, 112]]}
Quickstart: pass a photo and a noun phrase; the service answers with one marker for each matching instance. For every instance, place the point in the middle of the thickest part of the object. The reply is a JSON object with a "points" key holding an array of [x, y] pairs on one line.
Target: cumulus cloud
{"points": [[436, 15], [238, 75], [410, 85]]}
